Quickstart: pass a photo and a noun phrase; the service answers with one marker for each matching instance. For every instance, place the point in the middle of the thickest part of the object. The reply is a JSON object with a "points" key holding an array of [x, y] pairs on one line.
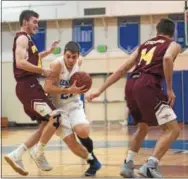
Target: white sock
{"points": [[154, 159], [131, 155], [20, 151], [39, 149], [89, 157]]}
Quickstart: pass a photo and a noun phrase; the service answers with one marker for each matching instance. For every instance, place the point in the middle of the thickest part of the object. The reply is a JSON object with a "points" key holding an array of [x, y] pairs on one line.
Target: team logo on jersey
{"points": [[34, 49]]}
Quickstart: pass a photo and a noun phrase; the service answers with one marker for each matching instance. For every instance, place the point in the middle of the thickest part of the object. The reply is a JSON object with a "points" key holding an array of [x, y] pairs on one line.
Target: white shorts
{"points": [[72, 114], [165, 114]]}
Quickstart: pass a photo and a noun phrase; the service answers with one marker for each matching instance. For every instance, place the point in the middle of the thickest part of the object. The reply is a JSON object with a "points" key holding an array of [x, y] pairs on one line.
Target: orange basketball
{"points": [[82, 78]]}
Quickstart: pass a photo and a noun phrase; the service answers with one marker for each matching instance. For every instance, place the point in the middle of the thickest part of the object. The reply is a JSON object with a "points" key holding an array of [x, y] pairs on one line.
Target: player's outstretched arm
{"points": [[169, 57], [22, 56], [130, 62], [50, 50]]}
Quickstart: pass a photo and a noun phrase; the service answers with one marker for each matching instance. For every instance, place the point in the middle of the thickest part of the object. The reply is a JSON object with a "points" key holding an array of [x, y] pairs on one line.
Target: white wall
{"points": [[75, 9]]}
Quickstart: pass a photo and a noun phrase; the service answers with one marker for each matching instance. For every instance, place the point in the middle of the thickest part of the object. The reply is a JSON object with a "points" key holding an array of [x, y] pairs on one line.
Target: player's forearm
{"points": [[45, 53], [111, 80], [52, 89], [118, 74], [168, 71], [25, 65]]}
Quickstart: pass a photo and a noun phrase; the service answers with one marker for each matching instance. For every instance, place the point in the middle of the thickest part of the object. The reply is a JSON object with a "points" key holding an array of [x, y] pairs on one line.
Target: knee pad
{"points": [[56, 120]]}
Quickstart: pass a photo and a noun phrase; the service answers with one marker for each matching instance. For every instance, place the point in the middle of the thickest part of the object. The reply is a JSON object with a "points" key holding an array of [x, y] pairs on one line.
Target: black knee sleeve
{"points": [[56, 120]]}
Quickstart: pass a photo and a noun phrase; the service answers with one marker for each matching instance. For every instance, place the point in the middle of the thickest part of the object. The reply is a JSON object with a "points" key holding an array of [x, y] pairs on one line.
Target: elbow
{"points": [[168, 59], [120, 73], [20, 65]]}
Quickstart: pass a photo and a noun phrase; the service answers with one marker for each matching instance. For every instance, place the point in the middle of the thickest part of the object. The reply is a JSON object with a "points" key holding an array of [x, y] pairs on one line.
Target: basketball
{"points": [[82, 78]]}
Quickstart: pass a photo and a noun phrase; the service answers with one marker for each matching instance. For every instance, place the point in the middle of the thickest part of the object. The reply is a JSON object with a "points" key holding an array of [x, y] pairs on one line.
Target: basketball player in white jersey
{"points": [[73, 117]]}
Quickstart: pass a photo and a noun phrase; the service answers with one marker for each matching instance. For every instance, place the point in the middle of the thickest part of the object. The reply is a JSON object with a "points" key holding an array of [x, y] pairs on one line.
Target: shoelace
{"points": [[41, 160]]}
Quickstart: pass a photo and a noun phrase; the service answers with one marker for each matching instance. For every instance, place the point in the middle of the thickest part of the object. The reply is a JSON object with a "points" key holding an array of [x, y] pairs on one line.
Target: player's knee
{"points": [[82, 130], [172, 128], [55, 120], [175, 131]]}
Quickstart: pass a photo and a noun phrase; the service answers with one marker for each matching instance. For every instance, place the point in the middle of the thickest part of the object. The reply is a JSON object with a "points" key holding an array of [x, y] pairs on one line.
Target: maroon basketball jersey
{"points": [[33, 58], [150, 58]]}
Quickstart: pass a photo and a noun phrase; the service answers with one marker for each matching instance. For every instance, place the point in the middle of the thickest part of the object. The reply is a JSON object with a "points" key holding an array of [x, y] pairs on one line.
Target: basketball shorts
{"points": [[72, 114], [35, 103], [147, 102]]}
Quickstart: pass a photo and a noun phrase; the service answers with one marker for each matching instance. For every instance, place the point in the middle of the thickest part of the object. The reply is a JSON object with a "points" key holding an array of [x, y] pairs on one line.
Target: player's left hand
{"points": [[91, 96], [54, 45]]}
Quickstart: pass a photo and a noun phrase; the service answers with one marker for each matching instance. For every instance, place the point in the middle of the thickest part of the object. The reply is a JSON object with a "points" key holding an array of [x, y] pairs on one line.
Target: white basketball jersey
{"points": [[64, 82]]}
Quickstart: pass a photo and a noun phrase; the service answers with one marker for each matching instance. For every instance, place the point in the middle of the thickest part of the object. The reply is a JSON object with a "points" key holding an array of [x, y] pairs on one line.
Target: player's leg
{"points": [[76, 120], [37, 153], [15, 157], [76, 147], [68, 136], [80, 126], [82, 131], [127, 169], [167, 119], [171, 132], [34, 138], [38, 107], [45, 111]]}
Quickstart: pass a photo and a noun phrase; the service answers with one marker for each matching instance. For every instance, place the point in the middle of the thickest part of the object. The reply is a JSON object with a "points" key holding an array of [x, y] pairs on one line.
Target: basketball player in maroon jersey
{"points": [[153, 61], [27, 68]]}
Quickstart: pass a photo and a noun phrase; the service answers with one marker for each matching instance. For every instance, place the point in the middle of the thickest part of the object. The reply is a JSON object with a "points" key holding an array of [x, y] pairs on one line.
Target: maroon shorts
{"points": [[144, 96], [36, 104]]}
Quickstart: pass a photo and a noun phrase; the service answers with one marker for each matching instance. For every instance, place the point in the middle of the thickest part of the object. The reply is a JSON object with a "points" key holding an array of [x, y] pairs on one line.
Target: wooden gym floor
{"points": [[111, 144]]}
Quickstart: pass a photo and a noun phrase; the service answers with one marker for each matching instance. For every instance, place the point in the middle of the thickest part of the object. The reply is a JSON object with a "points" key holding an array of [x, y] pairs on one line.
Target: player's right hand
{"points": [[46, 72], [77, 90], [171, 97], [91, 96]]}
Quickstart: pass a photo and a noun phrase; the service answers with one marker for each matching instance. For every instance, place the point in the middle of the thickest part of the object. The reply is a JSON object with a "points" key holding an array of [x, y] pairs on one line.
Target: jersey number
{"points": [[65, 84], [147, 57]]}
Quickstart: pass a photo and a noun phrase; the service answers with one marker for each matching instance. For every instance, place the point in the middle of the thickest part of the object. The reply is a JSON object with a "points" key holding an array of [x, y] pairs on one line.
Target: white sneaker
{"points": [[150, 170], [40, 161], [16, 163], [127, 170]]}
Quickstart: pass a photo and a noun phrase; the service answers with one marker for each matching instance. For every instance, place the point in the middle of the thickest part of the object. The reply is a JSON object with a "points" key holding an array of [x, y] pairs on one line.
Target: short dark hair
{"points": [[166, 27], [72, 47], [26, 15]]}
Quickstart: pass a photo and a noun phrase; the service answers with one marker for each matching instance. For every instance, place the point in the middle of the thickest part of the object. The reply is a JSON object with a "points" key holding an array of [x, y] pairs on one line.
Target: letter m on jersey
{"points": [[147, 56]]}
